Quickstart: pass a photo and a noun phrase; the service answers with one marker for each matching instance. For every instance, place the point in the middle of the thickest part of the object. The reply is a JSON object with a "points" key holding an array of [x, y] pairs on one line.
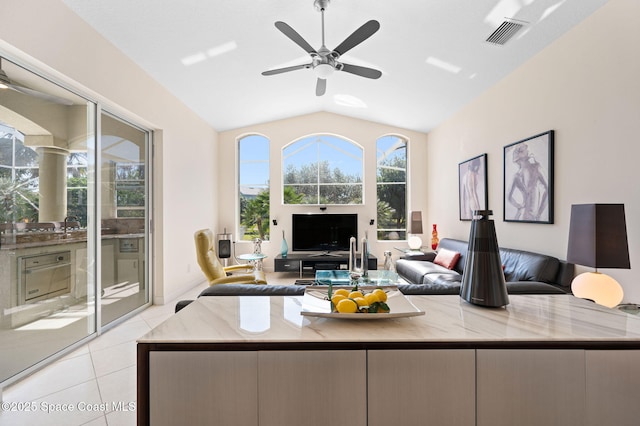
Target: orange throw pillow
{"points": [[446, 258]]}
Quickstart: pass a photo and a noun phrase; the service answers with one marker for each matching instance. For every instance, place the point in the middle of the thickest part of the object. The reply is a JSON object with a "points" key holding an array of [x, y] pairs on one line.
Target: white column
{"points": [[53, 183]]}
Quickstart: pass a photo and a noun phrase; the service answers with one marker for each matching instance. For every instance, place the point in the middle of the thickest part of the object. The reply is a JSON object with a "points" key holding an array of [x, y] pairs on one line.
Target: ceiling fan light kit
{"points": [[323, 70], [324, 62]]}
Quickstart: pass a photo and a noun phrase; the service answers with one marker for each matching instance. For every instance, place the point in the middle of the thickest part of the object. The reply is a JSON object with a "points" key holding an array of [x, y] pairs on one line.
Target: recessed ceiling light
{"points": [[443, 65]]}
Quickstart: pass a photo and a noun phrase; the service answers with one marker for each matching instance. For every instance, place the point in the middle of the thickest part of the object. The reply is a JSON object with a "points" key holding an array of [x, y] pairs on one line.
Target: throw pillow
{"points": [[446, 258]]}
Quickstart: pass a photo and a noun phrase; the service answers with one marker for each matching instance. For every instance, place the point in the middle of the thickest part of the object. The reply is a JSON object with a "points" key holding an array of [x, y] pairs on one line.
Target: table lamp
{"points": [[598, 239], [415, 227]]}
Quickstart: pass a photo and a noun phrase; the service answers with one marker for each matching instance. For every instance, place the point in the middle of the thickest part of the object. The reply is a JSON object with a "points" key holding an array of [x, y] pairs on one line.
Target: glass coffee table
{"points": [[342, 277]]}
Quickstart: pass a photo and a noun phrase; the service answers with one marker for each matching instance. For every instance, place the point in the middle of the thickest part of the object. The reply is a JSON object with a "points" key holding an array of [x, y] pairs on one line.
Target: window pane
{"points": [[77, 194], [392, 188], [341, 194], [253, 180], [125, 188], [303, 194], [323, 159]]}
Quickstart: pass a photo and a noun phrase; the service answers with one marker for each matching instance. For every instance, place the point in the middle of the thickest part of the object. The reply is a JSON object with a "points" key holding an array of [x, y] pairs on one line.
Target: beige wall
{"points": [[47, 36], [586, 87], [283, 132]]}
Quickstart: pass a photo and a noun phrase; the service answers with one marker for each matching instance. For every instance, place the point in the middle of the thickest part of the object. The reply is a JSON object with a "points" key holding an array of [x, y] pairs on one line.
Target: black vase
{"points": [[483, 279]]}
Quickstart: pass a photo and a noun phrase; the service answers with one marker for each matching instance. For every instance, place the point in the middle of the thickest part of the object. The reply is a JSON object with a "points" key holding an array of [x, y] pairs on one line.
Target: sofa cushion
{"points": [[447, 258], [527, 266], [253, 290], [449, 288], [533, 287], [416, 271], [456, 245]]}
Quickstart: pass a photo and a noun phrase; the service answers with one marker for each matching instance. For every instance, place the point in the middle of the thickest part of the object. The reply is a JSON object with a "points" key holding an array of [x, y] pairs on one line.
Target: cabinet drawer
{"points": [[285, 265]]}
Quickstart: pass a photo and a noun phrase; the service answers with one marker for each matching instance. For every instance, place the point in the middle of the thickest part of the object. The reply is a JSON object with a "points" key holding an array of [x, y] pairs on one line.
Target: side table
{"points": [[254, 258]]}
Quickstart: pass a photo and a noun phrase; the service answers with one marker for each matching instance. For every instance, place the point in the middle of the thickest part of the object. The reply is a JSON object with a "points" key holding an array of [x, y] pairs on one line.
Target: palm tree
{"points": [[256, 213]]}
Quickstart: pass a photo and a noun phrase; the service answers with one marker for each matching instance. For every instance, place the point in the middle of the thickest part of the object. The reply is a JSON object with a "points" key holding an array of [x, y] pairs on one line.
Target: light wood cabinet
{"points": [[421, 387], [613, 378], [444, 387], [312, 388], [198, 388], [530, 387]]}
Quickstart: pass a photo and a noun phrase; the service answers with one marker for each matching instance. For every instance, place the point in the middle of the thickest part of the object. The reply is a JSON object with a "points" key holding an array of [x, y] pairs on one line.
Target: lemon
{"points": [[342, 291], [337, 298], [347, 306], [355, 294], [382, 296], [361, 301], [371, 298]]}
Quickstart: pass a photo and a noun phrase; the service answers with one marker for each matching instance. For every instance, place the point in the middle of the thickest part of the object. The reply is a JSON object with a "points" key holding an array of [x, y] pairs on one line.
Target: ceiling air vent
{"points": [[505, 32]]}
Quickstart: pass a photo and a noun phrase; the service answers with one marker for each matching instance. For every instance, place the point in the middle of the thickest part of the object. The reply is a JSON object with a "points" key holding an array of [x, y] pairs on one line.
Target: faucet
{"points": [[69, 219]]}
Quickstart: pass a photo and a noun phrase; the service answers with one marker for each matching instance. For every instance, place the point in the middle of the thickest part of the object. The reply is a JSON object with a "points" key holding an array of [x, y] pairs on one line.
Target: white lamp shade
{"points": [[323, 71], [598, 287], [414, 242]]}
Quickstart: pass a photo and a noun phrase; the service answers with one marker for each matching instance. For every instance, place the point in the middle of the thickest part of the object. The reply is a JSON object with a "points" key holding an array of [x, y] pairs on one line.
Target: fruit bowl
{"points": [[316, 303]]}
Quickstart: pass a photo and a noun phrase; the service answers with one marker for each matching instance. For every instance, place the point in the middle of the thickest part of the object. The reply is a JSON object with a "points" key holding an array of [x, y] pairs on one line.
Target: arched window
{"points": [[322, 169], [392, 187], [253, 186]]}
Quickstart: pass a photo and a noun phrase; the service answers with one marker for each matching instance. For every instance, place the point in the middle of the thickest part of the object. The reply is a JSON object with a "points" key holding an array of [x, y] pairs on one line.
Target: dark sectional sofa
{"points": [[525, 273]]}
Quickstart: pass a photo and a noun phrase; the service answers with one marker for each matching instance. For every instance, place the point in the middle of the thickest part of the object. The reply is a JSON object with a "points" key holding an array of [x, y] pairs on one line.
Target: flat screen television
{"points": [[323, 232]]}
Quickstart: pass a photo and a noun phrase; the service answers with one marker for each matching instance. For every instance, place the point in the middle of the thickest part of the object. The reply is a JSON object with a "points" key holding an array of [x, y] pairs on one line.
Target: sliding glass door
{"points": [[74, 214], [124, 211]]}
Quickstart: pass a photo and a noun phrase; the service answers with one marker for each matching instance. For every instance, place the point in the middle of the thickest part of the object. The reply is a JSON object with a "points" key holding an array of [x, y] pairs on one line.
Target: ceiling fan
{"points": [[7, 83], [324, 61]]}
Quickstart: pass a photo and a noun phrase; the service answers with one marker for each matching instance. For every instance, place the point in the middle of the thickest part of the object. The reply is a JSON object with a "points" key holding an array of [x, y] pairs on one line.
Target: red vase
{"points": [[434, 237]]}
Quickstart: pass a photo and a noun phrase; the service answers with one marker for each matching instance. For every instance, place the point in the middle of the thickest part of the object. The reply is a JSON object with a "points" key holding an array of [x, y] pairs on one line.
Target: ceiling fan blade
{"points": [[4, 79], [295, 37], [321, 87], [286, 69], [361, 71], [358, 36], [43, 96]]}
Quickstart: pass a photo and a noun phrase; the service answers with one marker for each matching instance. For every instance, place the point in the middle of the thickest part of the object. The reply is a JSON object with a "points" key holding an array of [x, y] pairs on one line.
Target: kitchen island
{"points": [[544, 359]]}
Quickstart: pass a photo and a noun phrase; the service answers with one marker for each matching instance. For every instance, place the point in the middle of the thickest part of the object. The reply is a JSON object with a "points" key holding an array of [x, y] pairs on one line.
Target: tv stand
{"points": [[312, 262]]}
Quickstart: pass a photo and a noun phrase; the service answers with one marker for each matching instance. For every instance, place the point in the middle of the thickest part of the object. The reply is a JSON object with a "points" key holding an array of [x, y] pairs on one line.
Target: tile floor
{"points": [[97, 381]]}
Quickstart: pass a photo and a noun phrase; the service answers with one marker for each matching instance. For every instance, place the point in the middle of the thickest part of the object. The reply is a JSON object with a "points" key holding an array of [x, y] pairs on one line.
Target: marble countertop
{"points": [[59, 240], [529, 320]]}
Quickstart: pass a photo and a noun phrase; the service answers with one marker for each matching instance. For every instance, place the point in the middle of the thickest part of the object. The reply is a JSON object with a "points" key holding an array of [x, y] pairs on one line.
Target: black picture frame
{"points": [[472, 186], [528, 180]]}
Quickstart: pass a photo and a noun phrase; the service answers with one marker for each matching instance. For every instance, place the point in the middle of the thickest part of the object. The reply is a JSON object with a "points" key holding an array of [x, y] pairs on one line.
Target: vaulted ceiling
{"points": [[433, 54]]}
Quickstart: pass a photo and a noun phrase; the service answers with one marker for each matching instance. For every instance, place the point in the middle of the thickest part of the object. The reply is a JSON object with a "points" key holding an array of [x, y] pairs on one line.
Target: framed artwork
{"points": [[472, 186], [528, 180]]}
